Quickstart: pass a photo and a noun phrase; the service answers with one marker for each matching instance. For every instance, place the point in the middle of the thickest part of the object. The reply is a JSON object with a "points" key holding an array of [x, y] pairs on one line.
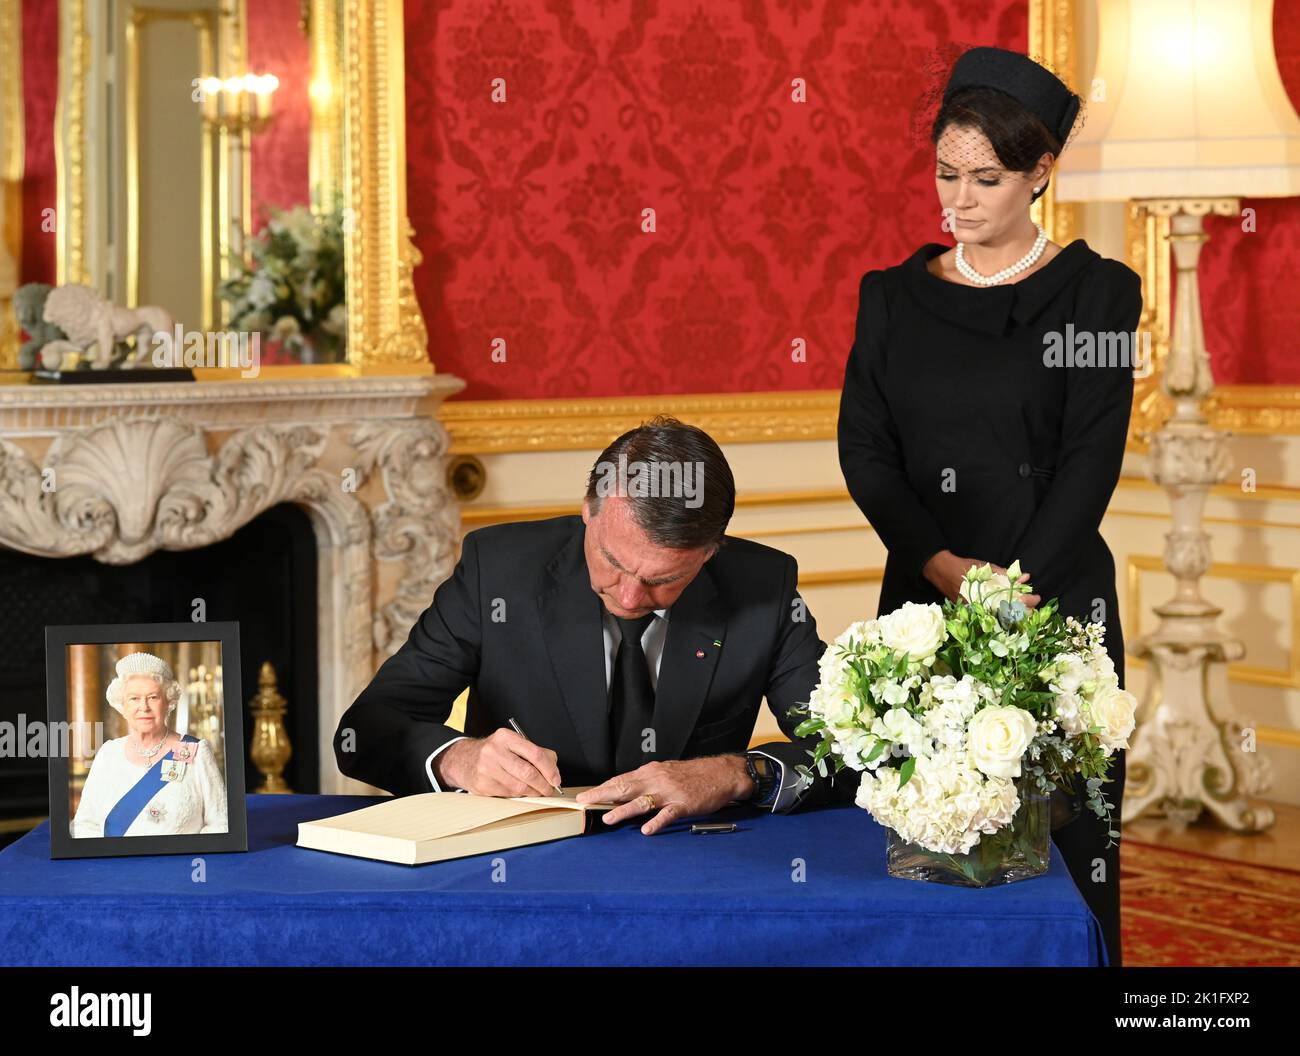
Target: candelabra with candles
{"points": [[238, 104], [234, 110], [206, 714]]}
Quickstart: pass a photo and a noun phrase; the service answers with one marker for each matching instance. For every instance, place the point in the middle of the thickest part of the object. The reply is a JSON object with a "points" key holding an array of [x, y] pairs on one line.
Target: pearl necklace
{"points": [[1027, 261]]}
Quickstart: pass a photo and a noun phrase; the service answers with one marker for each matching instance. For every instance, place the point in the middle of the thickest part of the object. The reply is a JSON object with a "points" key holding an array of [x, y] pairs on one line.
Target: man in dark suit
{"points": [[632, 645]]}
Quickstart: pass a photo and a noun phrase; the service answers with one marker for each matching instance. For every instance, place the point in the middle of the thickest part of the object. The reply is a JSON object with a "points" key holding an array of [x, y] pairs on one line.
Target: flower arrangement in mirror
{"points": [[293, 288]]}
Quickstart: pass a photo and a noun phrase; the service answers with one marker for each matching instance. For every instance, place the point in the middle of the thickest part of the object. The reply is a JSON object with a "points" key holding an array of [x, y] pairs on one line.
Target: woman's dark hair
{"points": [[677, 521], [1018, 137]]}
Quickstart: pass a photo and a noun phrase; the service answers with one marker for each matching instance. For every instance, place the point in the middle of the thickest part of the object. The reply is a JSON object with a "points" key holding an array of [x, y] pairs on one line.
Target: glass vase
{"points": [[1019, 851]]}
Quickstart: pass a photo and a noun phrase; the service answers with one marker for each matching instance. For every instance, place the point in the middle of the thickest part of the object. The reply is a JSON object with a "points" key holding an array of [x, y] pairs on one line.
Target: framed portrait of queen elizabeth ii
{"points": [[146, 739]]}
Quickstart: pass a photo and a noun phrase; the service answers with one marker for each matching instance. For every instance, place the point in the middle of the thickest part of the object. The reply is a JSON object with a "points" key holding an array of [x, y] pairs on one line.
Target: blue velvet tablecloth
{"points": [[614, 898]]}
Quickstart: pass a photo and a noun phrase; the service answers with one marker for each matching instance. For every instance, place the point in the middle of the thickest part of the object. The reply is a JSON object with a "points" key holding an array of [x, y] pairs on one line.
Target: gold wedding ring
{"points": [[649, 801]]}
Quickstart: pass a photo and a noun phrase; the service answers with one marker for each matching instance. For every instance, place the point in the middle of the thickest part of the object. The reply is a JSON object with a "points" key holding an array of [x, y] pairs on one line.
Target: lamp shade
{"points": [[1186, 102]]}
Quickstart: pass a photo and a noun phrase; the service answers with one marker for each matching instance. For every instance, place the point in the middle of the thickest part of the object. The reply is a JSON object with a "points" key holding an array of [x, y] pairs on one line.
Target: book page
{"points": [[431, 815], [568, 797]]}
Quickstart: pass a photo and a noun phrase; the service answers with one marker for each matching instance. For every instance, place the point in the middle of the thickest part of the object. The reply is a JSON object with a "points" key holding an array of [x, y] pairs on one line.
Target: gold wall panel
{"points": [[1288, 676], [499, 426], [12, 149]]}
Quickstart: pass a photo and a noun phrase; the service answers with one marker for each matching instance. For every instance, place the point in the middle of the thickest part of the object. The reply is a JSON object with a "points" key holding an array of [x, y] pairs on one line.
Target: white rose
{"points": [[997, 737], [917, 630], [1114, 711], [987, 592]]}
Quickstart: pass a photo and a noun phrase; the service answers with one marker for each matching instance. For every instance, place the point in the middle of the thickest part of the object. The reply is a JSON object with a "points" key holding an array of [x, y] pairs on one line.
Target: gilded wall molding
{"points": [[11, 91], [1237, 572], [71, 146], [579, 424], [475, 516], [500, 426], [384, 321], [1053, 29], [1261, 409], [12, 149]]}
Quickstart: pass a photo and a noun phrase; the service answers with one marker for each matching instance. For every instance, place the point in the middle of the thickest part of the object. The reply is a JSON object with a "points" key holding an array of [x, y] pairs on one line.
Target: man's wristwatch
{"points": [[762, 771]]}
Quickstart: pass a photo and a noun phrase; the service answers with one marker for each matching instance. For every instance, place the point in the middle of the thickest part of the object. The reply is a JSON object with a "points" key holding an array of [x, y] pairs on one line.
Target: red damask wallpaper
{"points": [[767, 211], [528, 212], [279, 170], [40, 20]]}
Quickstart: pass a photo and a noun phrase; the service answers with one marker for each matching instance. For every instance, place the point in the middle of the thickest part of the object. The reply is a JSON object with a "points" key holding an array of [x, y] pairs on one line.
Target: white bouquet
{"points": [[951, 712]]}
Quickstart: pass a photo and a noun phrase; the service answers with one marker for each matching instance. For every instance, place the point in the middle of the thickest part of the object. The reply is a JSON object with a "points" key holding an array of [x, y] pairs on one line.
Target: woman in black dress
{"points": [[963, 437]]}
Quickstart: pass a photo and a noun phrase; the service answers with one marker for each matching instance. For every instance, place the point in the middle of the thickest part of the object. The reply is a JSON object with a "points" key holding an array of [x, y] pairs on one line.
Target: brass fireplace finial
{"points": [[270, 749]]}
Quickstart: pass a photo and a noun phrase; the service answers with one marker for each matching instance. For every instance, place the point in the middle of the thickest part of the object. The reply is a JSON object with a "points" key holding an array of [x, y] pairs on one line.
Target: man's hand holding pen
{"points": [[504, 763]]}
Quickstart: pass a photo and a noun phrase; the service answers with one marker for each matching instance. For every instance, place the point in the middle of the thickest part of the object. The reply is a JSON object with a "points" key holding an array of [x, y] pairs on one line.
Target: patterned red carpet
{"points": [[1181, 908]]}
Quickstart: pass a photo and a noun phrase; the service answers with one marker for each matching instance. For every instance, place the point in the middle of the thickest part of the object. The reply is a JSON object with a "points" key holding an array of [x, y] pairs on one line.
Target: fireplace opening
{"points": [[263, 577]]}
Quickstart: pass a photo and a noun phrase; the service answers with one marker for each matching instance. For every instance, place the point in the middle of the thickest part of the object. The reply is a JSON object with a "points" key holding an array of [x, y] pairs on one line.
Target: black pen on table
{"points": [[527, 738]]}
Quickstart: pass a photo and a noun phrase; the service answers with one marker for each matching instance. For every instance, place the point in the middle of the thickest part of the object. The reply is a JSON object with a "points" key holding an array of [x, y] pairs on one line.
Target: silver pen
{"points": [[525, 736]]}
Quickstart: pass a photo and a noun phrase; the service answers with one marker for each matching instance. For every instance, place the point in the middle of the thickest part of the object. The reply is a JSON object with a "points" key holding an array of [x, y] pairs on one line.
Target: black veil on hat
{"points": [[1033, 83]]}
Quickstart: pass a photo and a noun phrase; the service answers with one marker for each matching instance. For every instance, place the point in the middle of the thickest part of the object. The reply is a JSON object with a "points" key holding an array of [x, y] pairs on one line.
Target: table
{"points": [[614, 898]]}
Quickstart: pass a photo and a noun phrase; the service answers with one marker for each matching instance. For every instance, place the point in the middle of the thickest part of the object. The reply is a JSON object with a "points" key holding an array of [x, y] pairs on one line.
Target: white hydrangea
{"points": [[945, 806]]}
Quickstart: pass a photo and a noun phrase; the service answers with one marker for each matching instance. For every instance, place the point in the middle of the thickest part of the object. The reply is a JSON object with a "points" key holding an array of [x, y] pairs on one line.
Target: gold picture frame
{"points": [[386, 330], [12, 145]]}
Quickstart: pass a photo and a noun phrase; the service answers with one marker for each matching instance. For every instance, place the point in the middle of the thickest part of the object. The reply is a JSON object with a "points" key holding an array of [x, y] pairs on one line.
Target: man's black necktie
{"points": [[632, 696]]}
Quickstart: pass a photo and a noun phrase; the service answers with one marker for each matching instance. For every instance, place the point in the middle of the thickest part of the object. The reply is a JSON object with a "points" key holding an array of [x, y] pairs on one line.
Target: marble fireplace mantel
{"points": [[118, 471]]}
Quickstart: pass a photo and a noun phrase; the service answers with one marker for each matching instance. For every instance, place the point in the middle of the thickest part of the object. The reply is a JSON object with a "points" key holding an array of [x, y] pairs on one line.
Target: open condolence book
{"points": [[435, 826]]}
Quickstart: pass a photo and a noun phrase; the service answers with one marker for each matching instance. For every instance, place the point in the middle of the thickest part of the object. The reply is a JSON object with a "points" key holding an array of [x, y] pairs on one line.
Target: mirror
{"points": [[200, 149]]}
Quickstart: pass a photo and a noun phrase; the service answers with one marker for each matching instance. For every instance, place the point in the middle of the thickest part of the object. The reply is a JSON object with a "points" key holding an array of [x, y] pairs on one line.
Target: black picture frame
{"points": [[62, 843]]}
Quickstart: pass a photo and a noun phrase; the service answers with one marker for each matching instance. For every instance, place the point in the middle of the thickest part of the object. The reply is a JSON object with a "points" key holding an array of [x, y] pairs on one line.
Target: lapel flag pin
{"points": [[717, 642], [699, 654]]}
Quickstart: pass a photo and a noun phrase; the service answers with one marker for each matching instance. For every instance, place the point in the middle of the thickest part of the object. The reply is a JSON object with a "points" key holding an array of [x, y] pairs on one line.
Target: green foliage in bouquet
{"points": [[294, 288]]}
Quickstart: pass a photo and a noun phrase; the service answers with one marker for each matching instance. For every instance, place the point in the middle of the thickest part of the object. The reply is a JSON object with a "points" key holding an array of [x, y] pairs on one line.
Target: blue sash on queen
{"points": [[128, 808]]}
